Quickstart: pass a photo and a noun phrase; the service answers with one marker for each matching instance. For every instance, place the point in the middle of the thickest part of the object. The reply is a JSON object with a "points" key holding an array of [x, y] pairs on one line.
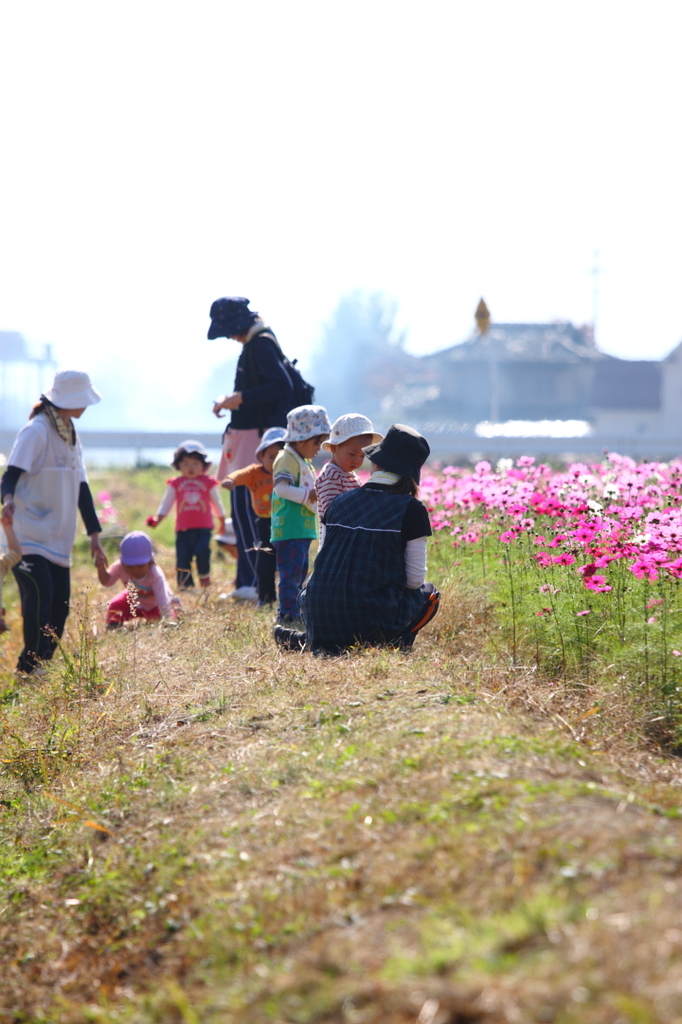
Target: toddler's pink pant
{"points": [[119, 610]]}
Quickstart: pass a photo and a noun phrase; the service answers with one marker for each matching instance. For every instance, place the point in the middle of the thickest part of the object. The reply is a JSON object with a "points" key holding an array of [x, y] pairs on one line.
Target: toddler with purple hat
{"points": [[147, 594]]}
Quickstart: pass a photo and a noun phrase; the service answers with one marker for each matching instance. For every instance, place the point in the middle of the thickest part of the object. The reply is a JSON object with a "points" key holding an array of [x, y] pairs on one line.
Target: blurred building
{"points": [[540, 372], [24, 374]]}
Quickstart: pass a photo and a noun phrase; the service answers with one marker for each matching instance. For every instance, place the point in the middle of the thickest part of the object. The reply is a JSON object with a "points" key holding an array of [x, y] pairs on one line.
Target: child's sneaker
{"points": [[244, 594]]}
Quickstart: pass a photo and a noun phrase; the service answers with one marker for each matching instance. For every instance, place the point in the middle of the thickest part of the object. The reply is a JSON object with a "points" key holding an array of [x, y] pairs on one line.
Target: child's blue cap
{"points": [[275, 435], [136, 548]]}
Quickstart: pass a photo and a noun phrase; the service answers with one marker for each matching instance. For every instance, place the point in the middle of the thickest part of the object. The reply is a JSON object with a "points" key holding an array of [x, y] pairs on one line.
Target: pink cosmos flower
{"points": [[585, 612]]}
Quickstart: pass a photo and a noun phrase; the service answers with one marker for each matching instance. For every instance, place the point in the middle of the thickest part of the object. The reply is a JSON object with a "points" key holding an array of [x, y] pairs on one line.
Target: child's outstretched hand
{"points": [[227, 483], [153, 521], [98, 556]]}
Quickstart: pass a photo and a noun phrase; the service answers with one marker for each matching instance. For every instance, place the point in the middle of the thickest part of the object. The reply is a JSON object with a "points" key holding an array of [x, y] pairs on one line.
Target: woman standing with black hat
{"points": [[368, 583], [262, 397]]}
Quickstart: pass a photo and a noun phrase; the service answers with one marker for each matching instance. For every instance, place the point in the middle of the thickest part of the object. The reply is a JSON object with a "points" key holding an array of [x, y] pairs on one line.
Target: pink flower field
{"points": [[581, 564], [601, 513]]}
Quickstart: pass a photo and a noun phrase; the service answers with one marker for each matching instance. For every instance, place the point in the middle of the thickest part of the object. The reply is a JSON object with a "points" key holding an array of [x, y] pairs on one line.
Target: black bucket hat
{"points": [[403, 451], [230, 317]]}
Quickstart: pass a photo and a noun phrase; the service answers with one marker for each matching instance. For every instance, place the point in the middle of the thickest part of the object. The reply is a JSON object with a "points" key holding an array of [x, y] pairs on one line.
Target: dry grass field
{"points": [[195, 828]]}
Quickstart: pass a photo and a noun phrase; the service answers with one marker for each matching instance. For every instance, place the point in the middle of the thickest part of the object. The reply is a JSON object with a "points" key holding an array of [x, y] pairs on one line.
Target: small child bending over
{"points": [[147, 594], [294, 504], [350, 434], [8, 559], [258, 479], [198, 500]]}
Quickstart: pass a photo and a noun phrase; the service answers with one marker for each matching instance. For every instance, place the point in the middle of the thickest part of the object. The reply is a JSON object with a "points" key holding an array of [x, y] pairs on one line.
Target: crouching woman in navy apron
{"points": [[368, 584]]}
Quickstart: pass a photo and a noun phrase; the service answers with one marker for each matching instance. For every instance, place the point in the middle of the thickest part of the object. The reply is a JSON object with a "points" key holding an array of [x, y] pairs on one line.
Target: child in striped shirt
{"points": [[350, 434]]}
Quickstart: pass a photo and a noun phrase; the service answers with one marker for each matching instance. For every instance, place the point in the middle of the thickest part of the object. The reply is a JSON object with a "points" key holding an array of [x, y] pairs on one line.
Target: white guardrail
{"points": [[443, 445]]}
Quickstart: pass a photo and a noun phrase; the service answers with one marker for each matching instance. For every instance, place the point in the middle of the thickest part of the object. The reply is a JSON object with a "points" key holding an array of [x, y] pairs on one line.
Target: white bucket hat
{"points": [[194, 448], [307, 421], [72, 389], [351, 424]]}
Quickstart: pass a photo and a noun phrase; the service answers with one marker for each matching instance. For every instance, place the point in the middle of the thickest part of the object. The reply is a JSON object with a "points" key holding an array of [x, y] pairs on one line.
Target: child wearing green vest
{"points": [[294, 504]]}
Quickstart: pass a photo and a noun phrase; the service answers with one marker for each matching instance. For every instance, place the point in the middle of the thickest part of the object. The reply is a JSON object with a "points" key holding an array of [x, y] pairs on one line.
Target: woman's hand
{"points": [[98, 556], [230, 402]]}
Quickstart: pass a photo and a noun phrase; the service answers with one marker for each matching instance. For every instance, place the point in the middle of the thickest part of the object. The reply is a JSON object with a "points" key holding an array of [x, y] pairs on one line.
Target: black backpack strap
{"points": [[254, 370]]}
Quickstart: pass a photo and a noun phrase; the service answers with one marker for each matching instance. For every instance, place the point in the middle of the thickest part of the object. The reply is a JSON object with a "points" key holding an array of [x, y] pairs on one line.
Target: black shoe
{"points": [[289, 639]]}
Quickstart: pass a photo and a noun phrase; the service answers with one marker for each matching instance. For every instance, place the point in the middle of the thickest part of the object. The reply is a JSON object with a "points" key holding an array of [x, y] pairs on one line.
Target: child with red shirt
{"points": [[198, 499]]}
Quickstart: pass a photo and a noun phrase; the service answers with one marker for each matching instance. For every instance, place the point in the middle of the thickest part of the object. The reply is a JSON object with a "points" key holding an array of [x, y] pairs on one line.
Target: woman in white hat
{"points": [[45, 486]]}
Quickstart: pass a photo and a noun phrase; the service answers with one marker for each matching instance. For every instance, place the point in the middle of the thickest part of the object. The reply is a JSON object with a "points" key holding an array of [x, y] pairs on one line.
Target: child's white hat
{"points": [[306, 421], [351, 424], [272, 436], [194, 448]]}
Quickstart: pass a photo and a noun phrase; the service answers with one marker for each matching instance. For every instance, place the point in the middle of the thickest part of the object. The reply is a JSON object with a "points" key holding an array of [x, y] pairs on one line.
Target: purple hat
{"points": [[136, 548]]}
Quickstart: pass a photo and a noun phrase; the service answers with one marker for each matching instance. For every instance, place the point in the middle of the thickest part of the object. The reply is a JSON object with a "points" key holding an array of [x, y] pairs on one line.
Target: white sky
{"points": [[158, 155]]}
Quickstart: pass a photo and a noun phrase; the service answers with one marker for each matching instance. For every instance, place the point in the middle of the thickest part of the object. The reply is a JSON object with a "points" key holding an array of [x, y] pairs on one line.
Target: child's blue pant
{"points": [[190, 544], [292, 566]]}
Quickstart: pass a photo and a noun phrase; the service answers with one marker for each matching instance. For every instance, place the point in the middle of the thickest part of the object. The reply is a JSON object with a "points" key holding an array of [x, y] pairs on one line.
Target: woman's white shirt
{"points": [[46, 496], [415, 562]]}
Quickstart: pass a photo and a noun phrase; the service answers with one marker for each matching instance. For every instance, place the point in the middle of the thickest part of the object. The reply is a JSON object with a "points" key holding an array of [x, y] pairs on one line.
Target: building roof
{"points": [[559, 342]]}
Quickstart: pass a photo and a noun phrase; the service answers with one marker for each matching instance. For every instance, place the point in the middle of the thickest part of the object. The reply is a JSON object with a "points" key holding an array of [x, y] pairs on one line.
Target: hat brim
{"points": [[384, 461], [74, 400], [216, 330], [327, 445], [264, 447]]}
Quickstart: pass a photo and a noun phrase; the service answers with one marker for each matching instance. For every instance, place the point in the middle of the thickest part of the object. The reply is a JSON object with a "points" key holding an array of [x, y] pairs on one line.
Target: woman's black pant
{"points": [[244, 523], [45, 589], [265, 563]]}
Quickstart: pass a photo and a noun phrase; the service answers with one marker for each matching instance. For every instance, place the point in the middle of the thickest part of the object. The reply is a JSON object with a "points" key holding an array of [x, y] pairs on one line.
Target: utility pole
{"points": [[595, 293], [482, 315]]}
